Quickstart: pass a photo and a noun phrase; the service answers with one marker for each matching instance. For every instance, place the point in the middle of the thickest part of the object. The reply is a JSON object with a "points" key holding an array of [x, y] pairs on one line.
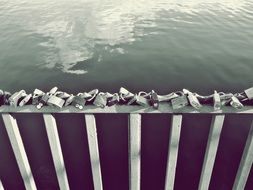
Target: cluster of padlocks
{"points": [[177, 99]]}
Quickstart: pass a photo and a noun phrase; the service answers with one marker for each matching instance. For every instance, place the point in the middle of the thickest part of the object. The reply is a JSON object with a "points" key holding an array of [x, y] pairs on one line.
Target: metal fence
{"points": [[135, 114]]}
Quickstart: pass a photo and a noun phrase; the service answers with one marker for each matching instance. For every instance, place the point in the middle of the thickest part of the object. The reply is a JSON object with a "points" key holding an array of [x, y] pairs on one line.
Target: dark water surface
{"points": [[146, 44]]}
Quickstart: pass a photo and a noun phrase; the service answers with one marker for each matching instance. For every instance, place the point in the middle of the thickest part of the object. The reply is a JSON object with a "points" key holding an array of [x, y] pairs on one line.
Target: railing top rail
{"points": [[163, 108]]}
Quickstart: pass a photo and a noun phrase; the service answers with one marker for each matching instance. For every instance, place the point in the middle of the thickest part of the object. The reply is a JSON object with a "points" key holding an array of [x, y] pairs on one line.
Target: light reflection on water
{"points": [[77, 37]]}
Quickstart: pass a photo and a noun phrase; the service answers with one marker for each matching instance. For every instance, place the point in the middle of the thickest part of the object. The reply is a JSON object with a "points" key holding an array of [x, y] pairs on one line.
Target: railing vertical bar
{"points": [[19, 150], [56, 151], [94, 151], [245, 164], [211, 150], [134, 151], [1, 185], [173, 151]]}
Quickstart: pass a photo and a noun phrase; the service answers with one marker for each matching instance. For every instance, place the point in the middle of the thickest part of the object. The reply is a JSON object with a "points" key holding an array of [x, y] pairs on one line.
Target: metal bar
{"points": [[173, 151], [211, 150], [94, 152], [1, 185], [245, 164], [56, 151], [134, 151], [164, 107], [19, 151]]}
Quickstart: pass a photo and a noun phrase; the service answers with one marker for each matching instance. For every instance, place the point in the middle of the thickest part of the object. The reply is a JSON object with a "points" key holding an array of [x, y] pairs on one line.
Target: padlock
{"points": [[43, 100], [179, 102], [132, 100], [142, 100], [1, 98], [249, 93], [125, 94], [167, 97], [6, 97], [216, 101], [25, 100], [225, 98], [53, 90], [37, 94], [236, 103], [84, 95], [69, 100], [204, 99], [62, 95], [13, 100], [78, 102], [194, 102], [100, 100], [113, 100], [154, 99], [185, 91], [55, 101]]}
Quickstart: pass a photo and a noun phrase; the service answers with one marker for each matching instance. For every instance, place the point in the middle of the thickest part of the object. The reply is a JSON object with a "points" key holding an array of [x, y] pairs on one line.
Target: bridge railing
{"points": [[134, 143]]}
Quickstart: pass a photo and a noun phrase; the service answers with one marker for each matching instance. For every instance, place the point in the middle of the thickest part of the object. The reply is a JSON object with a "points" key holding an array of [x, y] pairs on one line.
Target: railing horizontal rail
{"points": [[163, 108]]}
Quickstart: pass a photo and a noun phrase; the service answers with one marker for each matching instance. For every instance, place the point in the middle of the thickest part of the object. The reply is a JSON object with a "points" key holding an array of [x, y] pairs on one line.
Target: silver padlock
{"points": [[78, 102], [125, 94], [194, 101], [55, 101], [179, 102], [6, 97], [1, 97], [100, 100], [167, 97], [69, 100], [142, 100], [113, 100], [43, 100], [25, 100], [236, 103], [84, 95], [37, 94], [62, 95], [132, 100], [249, 93], [154, 99], [225, 98], [13, 100], [216, 101], [53, 90]]}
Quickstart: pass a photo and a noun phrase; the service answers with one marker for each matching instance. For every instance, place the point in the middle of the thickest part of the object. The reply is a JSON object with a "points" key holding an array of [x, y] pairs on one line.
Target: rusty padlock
{"points": [[100, 100], [179, 102]]}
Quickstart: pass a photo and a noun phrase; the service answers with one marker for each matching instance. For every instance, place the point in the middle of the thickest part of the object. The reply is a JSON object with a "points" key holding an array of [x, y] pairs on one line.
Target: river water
{"points": [[164, 45]]}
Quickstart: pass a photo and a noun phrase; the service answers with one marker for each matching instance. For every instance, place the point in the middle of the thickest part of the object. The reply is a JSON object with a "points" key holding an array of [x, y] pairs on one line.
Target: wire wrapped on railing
{"points": [[179, 99]]}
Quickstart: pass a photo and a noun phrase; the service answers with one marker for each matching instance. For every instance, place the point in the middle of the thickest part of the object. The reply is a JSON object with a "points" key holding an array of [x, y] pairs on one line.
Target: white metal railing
{"points": [[134, 144]]}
